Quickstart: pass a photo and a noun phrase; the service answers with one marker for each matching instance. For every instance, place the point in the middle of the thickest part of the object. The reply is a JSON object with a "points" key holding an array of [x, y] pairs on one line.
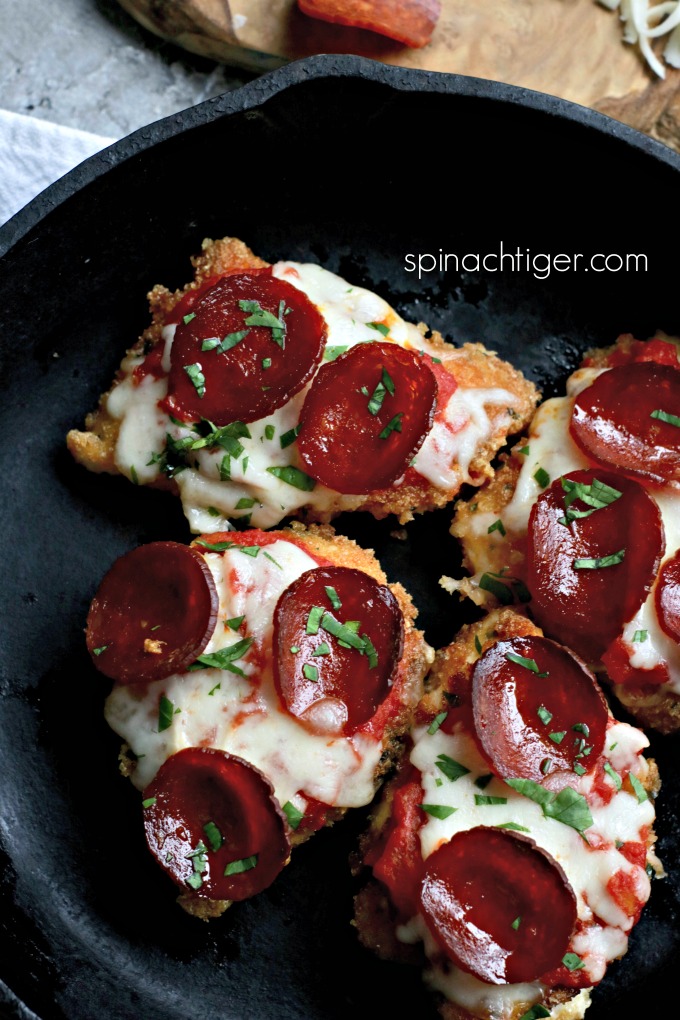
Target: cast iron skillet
{"points": [[351, 164]]}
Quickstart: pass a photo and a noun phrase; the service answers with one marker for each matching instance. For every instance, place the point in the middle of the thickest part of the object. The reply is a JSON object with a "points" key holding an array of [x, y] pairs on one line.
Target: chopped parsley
{"points": [[334, 351], [537, 1012], [392, 426], [557, 738], [259, 316], [529, 664], [100, 650], [224, 658], [199, 860], [483, 781], [482, 800], [613, 775], [149, 802], [226, 344], [187, 318], [380, 327], [213, 835], [478, 645], [234, 622], [542, 477], [245, 503], [512, 825], [310, 672], [436, 722], [289, 437], [386, 385], [516, 923], [198, 379], [572, 962], [269, 431], [266, 363], [567, 806], [166, 710], [293, 476], [226, 437], [238, 867], [525, 450], [134, 477], [640, 635], [506, 589], [599, 562], [670, 419], [497, 526], [293, 814], [597, 496], [453, 770], [314, 620], [543, 714], [638, 788], [438, 810], [323, 649], [333, 597]]}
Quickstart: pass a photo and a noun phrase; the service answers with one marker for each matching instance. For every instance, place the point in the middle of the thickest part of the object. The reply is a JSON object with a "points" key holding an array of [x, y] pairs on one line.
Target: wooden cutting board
{"points": [[568, 48]]}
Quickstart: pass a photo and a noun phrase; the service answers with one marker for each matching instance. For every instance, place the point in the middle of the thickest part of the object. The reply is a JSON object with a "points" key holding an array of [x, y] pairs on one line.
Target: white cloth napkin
{"points": [[34, 153]]}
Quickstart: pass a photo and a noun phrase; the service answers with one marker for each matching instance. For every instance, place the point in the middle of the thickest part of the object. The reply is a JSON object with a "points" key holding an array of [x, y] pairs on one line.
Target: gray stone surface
{"points": [[88, 64]]}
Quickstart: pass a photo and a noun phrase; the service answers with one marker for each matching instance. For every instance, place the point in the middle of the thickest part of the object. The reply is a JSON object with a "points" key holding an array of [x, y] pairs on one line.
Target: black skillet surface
{"points": [[354, 165]]}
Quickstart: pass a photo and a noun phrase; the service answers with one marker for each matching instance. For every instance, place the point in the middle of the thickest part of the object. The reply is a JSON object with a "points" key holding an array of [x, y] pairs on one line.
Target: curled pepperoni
{"points": [[153, 613], [499, 906], [537, 709], [366, 416], [621, 421], [250, 343], [214, 825], [588, 577], [338, 636], [667, 597]]}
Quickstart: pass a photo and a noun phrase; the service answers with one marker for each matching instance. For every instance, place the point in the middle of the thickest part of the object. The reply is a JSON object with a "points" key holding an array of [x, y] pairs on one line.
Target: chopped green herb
{"points": [[333, 597], [266, 363], [134, 477], [199, 860], [294, 649], [545, 766], [166, 710], [512, 825], [582, 727], [267, 556], [323, 649], [478, 645], [392, 426], [195, 880], [599, 562], [567, 806], [497, 526], [314, 620], [438, 810], [213, 835], [343, 632], [249, 550], [524, 450], [310, 672], [670, 419], [289, 437], [638, 788], [224, 658], [198, 379], [238, 867], [269, 431], [579, 769], [149, 802], [516, 923], [557, 738], [245, 503], [215, 688], [334, 351], [483, 781], [380, 326], [100, 650], [453, 770], [542, 477], [234, 622], [597, 495], [187, 318], [572, 962], [215, 546], [436, 722], [386, 385], [293, 476], [261, 317], [225, 468], [227, 343], [537, 1012], [481, 800], [613, 775], [244, 463], [293, 814], [226, 437], [543, 714], [506, 589], [529, 664], [640, 635]]}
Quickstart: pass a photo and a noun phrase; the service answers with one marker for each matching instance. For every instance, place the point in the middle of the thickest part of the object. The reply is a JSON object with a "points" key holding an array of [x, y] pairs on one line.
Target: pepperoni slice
{"points": [[366, 416], [212, 822], [154, 612], [338, 636], [590, 576], [621, 421], [249, 344], [537, 709], [499, 906], [667, 597]]}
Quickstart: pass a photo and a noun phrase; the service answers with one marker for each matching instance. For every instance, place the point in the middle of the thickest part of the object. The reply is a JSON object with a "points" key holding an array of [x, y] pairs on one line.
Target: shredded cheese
{"points": [[643, 22]]}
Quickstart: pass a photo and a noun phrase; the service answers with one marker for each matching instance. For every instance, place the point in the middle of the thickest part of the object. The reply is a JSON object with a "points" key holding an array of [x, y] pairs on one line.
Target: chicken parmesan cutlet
{"points": [[264, 391], [263, 682], [511, 855], [583, 523]]}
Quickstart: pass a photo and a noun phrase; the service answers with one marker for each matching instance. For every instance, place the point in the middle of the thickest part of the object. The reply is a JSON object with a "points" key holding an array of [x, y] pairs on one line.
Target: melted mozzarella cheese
{"points": [[243, 714], [210, 499], [588, 868]]}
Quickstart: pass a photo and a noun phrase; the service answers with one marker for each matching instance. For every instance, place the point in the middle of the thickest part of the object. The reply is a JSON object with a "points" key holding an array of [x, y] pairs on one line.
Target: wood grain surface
{"points": [[569, 48]]}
